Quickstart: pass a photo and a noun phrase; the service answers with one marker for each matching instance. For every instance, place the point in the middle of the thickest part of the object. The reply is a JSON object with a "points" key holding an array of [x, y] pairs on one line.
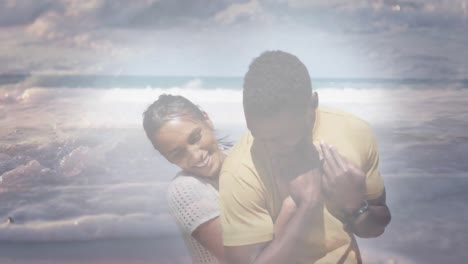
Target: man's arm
{"points": [[345, 184], [305, 189], [372, 223]]}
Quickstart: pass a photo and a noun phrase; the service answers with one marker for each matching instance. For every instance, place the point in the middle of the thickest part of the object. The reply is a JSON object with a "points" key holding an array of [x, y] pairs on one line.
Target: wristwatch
{"points": [[360, 211], [364, 208]]}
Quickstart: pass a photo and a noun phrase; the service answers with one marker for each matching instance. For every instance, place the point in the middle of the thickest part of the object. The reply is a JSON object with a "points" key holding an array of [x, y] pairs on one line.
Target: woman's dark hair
{"points": [[168, 107]]}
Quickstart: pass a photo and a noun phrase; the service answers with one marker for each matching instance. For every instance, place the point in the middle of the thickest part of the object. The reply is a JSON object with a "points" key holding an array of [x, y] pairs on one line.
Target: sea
{"points": [[81, 183]]}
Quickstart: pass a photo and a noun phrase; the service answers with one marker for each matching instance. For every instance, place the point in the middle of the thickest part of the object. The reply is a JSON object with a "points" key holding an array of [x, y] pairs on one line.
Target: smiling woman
{"points": [[185, 136]]}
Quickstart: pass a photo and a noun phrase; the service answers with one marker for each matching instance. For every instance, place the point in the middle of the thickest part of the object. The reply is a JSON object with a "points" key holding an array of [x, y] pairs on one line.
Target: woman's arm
{"points": [[287, 210], [209, 234]]}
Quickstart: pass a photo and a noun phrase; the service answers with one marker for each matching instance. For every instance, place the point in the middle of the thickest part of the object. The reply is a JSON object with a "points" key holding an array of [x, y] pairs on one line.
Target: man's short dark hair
{"points": [[275, 81]]}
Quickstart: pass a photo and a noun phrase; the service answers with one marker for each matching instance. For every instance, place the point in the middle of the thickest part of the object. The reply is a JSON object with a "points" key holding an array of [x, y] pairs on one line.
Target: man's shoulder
{"points": [[238, 167], [340, 115], [239, 155], [345, 121]]}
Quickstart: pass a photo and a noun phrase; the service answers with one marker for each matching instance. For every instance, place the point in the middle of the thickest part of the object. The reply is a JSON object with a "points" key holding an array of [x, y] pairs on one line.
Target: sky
{"points": [[334, 38]]}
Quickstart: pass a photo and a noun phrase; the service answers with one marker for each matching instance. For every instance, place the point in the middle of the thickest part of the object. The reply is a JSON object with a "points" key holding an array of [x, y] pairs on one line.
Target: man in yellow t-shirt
{"points": [[324, 160]]}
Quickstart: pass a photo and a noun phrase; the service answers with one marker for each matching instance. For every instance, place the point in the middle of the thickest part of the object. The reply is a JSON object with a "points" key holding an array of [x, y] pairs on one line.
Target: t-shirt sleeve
{"points": [[192, 202], [374, 181], [244, 217]]}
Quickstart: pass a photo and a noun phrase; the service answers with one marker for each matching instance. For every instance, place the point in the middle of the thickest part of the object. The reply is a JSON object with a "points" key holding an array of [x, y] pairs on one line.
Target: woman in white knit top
{"points": [[184, 135]]}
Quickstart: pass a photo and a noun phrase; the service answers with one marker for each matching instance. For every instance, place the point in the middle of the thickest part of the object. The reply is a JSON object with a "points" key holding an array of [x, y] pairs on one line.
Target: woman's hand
{"points": [[287, 211]]}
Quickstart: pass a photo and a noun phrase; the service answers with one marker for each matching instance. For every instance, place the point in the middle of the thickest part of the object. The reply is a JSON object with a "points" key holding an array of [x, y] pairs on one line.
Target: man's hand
{"points": [[343, 182], [305, 189]]}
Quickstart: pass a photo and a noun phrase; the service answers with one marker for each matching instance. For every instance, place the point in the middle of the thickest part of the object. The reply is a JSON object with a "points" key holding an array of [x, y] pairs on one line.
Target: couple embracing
{"points": [[298, 186]]}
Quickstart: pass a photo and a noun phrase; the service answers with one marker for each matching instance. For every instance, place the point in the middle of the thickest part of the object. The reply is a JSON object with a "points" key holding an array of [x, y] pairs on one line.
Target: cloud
{"points": [[251, 11], [375, 16], [17, 13], [45, 26], [92, 14], [61, 28], [104, 36], [46, 206]]}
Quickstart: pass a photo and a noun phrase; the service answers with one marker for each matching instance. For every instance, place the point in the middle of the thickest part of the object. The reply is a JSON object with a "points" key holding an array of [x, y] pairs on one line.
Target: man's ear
{"points": [[208, 120], [314, 101]]}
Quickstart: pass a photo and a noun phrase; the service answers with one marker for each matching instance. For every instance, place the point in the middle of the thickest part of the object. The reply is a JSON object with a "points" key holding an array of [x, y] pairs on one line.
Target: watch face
{"points": [[364, 208]]}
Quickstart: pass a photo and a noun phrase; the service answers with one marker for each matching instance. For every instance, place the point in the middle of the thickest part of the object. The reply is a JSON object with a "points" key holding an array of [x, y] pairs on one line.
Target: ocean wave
{"points": [[80, 155], [89, 227], [94, 108]]}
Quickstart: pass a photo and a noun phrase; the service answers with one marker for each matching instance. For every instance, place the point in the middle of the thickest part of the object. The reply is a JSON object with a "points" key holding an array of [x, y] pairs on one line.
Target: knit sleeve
{"points": [[192, 202]]}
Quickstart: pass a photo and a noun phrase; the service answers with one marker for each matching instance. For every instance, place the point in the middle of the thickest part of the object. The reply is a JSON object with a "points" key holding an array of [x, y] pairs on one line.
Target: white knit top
{"points": [[193, 201]]}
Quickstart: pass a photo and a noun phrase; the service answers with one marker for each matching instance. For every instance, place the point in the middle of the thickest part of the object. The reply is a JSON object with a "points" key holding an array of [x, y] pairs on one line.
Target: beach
{"points": [[84, 185]]}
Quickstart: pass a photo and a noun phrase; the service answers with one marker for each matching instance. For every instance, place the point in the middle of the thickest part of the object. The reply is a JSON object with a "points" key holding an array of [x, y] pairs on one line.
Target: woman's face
{"points": [[191, 145]]}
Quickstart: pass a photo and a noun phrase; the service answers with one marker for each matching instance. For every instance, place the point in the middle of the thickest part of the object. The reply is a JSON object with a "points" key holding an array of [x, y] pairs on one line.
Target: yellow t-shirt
{"points": [[251, 201]]}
